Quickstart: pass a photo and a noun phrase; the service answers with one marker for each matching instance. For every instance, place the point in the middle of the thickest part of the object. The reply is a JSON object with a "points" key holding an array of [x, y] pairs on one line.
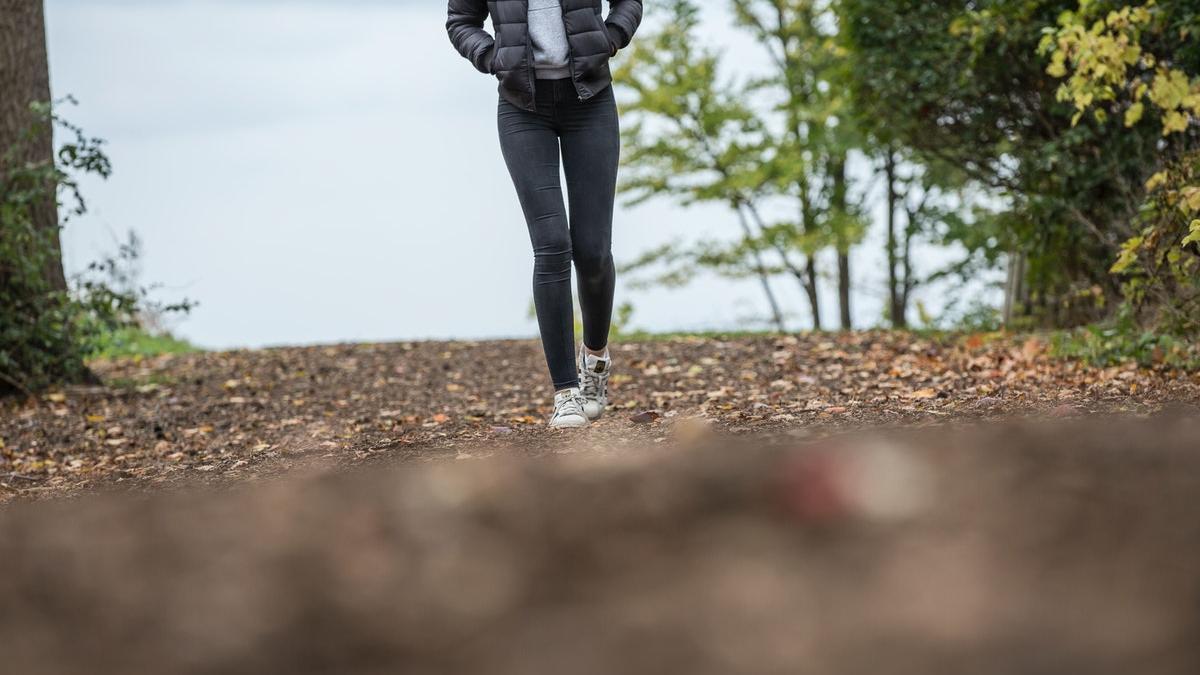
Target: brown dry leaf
{"points": [[645, 417], [386, 403], [1032, 348]]}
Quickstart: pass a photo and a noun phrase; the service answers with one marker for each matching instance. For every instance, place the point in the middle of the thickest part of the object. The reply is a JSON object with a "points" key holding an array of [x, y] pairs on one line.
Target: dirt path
{"points": [[717, 522], [249, 414], [1018, 549]]}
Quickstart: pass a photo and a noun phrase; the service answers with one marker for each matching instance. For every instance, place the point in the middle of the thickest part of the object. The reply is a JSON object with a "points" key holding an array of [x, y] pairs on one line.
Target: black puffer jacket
{"points": [[509, 56]]}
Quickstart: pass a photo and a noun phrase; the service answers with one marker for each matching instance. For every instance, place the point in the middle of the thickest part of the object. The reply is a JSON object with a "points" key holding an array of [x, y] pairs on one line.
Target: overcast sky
{"points": [[322, 171]]}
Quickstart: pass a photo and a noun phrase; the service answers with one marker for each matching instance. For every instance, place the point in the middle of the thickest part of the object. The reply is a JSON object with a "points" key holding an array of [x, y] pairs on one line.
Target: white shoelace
{"points": [[568, 405], [593, 385]]}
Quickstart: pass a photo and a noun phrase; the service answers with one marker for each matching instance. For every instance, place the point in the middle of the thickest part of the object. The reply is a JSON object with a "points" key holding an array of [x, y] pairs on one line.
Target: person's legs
{"points": [[591, 148], [529, 141]]}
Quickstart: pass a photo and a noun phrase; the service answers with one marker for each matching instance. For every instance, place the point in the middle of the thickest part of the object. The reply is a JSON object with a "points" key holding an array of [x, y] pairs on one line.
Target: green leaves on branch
{"points": [[46, 331], [1129, 59]]}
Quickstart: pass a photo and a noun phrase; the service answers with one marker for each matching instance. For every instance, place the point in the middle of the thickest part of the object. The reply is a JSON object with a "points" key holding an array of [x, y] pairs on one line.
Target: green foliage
{"points": [[137, 342], [1123, 342], [961, 83], [692, 135], [45, 331], [1126, 62]]}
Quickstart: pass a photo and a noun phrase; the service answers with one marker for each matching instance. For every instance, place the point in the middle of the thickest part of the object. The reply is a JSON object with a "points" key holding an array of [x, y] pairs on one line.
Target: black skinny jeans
{"points": [[588, 136]]}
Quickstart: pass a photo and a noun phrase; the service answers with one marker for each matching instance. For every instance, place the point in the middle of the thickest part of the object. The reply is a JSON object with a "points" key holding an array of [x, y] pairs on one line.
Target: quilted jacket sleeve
{"points": [[624, 17], [464, 23]]}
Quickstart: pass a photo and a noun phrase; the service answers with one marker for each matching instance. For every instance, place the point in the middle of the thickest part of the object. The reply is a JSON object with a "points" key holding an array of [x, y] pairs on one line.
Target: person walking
{"points": [[551, 58]]}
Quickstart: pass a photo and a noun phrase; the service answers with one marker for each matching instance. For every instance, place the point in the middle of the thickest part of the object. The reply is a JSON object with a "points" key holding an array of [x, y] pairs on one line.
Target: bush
{"points": [[46, 332], [1123, 342]]}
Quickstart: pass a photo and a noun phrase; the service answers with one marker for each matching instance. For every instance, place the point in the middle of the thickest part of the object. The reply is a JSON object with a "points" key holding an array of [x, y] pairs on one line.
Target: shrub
{"points": [[46, 332]]}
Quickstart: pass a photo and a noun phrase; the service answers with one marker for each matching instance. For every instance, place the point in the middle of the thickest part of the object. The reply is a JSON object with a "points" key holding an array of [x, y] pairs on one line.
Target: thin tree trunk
{"points": [[760, 268], [844, 289], [896, 308], [907, 283], [1014, 287], [25, 79], [809, 281], [837, 168], [799, 272], [912, 226]]}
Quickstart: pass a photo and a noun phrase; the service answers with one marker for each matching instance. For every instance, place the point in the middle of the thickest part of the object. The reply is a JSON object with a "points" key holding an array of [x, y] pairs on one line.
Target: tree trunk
{"points": [[760, 267], [896, 309], [837, 169], [907, 282], [810, 289], [1014, 287], [809, 279], [25, 79]]}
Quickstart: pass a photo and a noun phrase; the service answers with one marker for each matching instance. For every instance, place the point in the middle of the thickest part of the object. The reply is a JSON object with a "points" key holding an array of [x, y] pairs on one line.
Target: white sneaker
{"points": [[568, 410], [593, 380]]}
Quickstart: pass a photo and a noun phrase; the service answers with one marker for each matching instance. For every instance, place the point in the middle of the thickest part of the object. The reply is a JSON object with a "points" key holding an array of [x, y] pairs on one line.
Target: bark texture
{"points": [[840, 205], [25, 79]]}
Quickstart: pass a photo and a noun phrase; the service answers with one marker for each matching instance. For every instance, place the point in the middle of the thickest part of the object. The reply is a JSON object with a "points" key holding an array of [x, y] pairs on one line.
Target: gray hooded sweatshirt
{"points": [[551, 55]]}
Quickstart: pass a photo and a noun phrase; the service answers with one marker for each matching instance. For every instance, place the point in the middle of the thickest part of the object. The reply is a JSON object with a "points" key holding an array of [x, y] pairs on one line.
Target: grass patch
{"points": [[135, 342], [1116, 345]]}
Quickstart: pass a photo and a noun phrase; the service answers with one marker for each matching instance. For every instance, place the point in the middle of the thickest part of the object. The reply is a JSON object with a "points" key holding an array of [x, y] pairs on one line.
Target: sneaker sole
{"points": [[570, 425]]}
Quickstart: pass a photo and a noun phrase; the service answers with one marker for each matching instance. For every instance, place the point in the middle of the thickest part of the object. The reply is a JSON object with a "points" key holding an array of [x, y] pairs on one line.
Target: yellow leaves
{"points": [[1128, 256], [1156, 181], [922, 394], [1177, 96], [1189, 201], [1134, 114], [1174, 122], [56, 397], [1100, 61], [1169, 89], [1058, 64], [1193, 236]]}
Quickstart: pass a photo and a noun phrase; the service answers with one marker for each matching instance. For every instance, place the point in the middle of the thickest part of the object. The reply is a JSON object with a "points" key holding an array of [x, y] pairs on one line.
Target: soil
{"points": [[861, 503], [236, 416], [1067, 548]]}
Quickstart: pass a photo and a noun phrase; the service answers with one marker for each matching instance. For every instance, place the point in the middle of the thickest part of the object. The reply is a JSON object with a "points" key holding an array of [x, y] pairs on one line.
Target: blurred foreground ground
{"points": [[868, 503], [1006, 549]]}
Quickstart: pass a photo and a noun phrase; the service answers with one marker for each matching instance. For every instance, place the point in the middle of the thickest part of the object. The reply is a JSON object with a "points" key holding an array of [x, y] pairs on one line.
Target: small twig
{"points": [[24, 477]]}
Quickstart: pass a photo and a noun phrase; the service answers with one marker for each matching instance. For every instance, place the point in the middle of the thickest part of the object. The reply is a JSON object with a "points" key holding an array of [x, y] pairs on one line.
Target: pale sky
{"points": [[321, 171]]}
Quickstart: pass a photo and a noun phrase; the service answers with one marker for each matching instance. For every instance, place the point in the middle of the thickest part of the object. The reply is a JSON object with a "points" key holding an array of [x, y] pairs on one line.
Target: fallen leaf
{"points": [[1031, 349], [645, 417]]}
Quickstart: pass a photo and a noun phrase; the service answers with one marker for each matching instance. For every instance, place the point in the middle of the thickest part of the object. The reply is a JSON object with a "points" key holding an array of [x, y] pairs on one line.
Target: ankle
{"points": [[599, 353]]}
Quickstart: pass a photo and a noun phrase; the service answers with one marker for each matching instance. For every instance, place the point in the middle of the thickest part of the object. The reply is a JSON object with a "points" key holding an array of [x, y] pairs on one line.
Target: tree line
{"points": [[1056, 140]]}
